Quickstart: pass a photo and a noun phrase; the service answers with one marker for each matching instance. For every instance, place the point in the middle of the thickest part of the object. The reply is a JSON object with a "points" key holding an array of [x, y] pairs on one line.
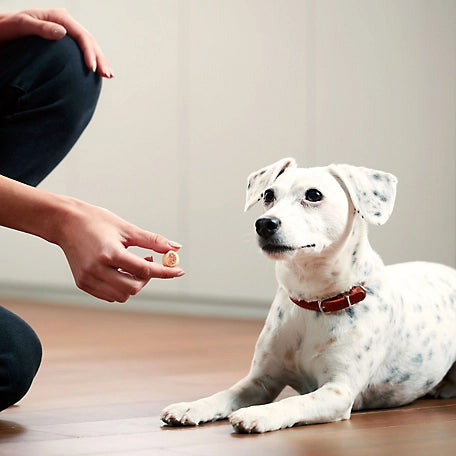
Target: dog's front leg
{"points": [[331, 402], [248, 391]]}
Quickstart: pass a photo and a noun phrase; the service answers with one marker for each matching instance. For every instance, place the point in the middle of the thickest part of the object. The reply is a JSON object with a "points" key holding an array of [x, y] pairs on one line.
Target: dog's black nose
{"points": [[267, 226]]}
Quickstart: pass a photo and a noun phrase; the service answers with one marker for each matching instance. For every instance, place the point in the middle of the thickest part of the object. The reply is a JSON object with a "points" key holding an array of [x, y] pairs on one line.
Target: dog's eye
{"points": [[313, 195], [268, 196]]}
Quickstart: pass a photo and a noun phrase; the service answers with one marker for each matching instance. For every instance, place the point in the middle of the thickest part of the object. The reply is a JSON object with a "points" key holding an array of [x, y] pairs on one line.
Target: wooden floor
{"points": [[106, 376]]}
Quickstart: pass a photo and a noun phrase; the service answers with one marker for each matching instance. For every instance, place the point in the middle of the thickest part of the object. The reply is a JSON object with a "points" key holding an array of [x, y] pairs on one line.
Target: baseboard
{"points": [[144, 302]]}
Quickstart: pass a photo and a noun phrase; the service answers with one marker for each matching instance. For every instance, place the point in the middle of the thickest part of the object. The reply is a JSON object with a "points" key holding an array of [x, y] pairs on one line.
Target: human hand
{"points": [[95, 243], [54, 24]]}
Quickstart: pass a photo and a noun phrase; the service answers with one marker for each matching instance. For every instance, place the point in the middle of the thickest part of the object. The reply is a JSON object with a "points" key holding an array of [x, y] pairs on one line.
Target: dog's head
{"points": [[307, 209]]}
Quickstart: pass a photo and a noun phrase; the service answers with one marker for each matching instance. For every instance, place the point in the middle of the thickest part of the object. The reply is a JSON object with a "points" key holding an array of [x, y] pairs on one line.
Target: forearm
{"points": [[32, 210], [94, 240]]}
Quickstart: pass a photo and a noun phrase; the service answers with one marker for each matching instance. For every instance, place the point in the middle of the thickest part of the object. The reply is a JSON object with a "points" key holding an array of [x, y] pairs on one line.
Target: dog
{"points": [[344, 331]]}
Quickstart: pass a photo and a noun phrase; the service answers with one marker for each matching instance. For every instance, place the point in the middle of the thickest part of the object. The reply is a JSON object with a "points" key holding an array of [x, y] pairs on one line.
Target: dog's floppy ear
{"points": [[259, 180], [372, 192]]}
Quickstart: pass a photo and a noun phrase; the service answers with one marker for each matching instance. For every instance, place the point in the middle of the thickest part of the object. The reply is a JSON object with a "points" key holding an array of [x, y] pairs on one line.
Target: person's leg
{"points": [[47, 98], [20, 358]]}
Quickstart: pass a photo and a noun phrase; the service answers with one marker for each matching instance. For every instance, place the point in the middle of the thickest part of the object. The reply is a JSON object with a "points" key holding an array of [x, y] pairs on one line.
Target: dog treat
{"points": [[170, 259]]}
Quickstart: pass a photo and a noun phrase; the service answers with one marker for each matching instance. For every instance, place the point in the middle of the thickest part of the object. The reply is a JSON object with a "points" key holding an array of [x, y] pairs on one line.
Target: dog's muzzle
{"points": [[268, 237], [267, 227]]}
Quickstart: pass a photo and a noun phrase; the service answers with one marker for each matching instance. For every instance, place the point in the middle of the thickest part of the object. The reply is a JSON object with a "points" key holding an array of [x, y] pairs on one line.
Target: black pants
{"points": [[20, 357], [47, 98]]}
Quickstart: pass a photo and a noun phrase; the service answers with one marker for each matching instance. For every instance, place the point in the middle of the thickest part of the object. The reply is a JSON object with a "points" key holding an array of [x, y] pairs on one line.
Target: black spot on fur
{"points": [[418, 359], [392, 375], [380, 196], [370, 291], [280, 313], [404, 378], [355, 254]]}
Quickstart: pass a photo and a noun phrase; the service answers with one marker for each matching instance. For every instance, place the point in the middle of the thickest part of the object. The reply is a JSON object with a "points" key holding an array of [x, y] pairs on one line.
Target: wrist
{"points": [[35, 211], [62, 213]]}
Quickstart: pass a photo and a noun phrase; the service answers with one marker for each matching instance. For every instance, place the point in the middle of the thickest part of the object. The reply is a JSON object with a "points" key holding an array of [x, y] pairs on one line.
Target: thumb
{"points": [[50, 30], [29, 25], [153, 241]]}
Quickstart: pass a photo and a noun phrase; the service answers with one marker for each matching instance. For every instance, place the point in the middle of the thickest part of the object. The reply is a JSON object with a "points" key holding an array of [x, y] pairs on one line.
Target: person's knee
{"points": [[19, 361], [47, 70], [74, 85], [48, 99], [19, 379]]}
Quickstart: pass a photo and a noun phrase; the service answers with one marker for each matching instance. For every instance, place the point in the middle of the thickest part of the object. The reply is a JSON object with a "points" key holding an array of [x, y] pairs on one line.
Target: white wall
{"points": [[210, 90]]}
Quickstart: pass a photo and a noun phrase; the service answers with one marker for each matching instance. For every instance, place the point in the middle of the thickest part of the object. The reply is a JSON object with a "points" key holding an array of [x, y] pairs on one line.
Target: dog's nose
{"points": [[267, 226]]}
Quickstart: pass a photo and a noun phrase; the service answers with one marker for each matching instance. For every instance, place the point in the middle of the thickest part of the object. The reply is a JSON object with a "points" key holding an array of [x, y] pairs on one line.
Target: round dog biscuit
{"points": [[170, 259]]}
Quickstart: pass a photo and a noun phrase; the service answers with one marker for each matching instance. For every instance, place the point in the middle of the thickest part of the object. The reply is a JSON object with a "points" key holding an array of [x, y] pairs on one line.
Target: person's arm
{"points": [[94, 240], [53, 24]]}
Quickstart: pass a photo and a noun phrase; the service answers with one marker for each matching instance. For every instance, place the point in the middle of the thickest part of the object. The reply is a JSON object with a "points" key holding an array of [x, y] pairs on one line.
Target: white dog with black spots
{"points": [[345, 331]]}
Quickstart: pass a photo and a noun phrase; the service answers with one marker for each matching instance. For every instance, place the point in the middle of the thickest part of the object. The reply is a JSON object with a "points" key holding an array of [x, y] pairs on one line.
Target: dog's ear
{"points": [[259, 180], [372, 192]]}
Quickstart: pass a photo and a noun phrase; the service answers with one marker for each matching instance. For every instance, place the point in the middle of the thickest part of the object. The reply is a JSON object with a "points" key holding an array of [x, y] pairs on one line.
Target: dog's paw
{"points": [[180, 414], [255, 419], [188, 414]]}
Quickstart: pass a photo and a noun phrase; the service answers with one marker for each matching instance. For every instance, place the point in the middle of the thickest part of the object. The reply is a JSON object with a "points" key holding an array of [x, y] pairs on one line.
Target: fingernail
{"points": [[94, 66], [58, 33], [174, 245], [180, 274]]}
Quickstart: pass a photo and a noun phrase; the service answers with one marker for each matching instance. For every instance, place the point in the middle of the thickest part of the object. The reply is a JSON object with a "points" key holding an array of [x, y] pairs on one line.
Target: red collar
{"points": [[339, 302]]}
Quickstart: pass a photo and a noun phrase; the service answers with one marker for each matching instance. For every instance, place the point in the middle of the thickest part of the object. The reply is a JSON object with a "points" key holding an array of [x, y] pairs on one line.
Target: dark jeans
{"points": [[47, 98], [20, 357]]}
